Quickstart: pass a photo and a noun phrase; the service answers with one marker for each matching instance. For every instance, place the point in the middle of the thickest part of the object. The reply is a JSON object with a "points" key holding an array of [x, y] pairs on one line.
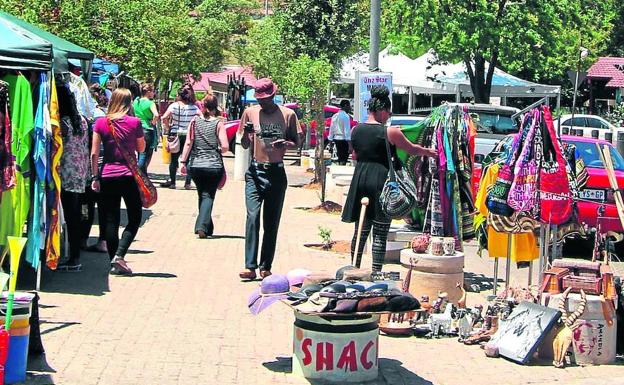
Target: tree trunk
{"points": [[480, 80], [319, 163]]}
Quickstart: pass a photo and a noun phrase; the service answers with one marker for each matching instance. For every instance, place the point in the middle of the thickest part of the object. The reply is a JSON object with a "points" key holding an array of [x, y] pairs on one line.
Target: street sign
{"points": [[364, 81], [581, 77]]}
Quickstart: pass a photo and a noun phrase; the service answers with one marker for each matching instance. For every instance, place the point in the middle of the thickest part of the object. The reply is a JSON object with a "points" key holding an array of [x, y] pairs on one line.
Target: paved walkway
{"points": [[182, 318]]}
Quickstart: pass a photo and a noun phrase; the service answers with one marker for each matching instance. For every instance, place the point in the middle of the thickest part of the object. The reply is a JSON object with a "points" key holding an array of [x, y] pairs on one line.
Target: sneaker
{"points": [[201, 234], [167, 184], [121, 265], [187, 186]]}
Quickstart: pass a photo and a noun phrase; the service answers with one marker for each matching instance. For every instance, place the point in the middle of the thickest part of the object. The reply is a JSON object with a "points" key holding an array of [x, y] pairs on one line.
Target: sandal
{"points": [[69, 267]]}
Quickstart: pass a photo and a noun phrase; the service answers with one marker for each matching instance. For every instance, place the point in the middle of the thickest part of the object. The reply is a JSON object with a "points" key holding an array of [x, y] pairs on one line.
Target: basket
{"points": [[591, 285]]}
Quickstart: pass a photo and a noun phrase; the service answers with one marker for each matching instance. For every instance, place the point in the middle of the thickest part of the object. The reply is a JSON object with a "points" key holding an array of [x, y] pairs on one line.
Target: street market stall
{"points": [[43, 126]]}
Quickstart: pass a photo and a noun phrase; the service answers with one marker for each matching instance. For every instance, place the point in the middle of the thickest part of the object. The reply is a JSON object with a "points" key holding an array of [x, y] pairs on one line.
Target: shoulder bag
{"points": [[555, 195], [523, 191], [173, 141], [398, 196], [147, 191]]}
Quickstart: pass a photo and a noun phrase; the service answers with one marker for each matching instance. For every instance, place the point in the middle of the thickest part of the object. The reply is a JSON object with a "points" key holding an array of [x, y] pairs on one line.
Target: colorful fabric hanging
{"points": [[53, 239], [15, 203], [7, 164], [36, 228]]}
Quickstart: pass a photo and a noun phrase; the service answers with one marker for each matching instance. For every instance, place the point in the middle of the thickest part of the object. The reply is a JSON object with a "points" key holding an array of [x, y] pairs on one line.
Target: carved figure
{"points": [[563, 340], [440, 303], [441, 323], [461, 303]]}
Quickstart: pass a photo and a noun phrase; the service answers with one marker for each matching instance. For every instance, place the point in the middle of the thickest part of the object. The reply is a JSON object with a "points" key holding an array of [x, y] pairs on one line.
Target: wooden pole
{"points": [[358, 239]]}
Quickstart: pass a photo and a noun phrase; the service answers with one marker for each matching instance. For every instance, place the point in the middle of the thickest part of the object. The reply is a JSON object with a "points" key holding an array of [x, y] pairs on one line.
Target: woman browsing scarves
{"points": [[119, 133], [369, 142], [206, 141]]}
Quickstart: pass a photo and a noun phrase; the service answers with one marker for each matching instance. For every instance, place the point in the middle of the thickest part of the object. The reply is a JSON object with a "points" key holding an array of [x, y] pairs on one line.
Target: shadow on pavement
{"points": [[390, 372], [61, 325], [38, 371], [150, 275], [134, 251], [92, 280], [483, 282], [228, 237]]}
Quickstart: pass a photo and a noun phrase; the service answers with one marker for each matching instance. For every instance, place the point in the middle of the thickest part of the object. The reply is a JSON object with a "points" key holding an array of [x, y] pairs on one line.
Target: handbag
{"points": [[523, 191], [555, 196], [398, 196], [173, 144], [147, 191]]}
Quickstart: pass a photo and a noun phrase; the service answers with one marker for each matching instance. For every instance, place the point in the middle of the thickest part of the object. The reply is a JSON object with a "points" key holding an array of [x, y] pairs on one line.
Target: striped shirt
{"points": [[181, 116]]}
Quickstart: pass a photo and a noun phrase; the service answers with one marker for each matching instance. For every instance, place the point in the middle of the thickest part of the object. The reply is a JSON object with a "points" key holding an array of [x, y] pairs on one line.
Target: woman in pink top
{"points": [[114, 180]]}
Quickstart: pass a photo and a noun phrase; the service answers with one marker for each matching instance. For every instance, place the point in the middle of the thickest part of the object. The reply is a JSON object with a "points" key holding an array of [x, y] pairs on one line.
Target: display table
{"points": [[401, 233], [433, 274], [336, 348]]}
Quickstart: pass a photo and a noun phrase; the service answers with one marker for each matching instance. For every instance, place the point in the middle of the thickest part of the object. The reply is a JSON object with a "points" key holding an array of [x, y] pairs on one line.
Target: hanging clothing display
{"points": [[36, 227], [15, 203], [7, 166], [443, 182], [84, 101], [53, 177]]}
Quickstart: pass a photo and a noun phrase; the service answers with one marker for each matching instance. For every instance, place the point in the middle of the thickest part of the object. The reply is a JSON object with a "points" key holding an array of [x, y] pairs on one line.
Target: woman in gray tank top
{"points": [[205, 143]]}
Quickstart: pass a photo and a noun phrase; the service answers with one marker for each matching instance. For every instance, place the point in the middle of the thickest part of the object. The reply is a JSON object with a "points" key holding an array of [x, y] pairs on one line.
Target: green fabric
{"points": [[14, 211], [23, 50], [63, 49], [142, 111]]}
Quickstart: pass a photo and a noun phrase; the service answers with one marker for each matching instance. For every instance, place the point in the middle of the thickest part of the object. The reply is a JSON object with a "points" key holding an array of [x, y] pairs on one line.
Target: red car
{"points": [[597, 191]]}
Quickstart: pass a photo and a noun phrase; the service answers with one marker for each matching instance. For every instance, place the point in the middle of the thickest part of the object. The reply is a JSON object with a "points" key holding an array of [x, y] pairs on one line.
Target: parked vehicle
{"points": [[597, 192], [588, 123]]}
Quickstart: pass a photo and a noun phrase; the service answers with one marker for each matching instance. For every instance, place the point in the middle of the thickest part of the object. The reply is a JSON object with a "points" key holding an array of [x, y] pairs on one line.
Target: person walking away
{"points": [[90, 197], [145, 109], [371, 172], [74, 173], [176, 121], [205, 143], [117, 132], [268, 130], [340, 132]]}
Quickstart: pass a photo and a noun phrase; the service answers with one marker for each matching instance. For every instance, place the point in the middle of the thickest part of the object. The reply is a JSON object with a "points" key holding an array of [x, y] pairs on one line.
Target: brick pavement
{"points": [[182, 319]]}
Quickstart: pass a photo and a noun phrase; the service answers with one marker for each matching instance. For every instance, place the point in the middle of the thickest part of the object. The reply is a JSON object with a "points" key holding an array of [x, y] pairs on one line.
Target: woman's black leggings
{"points": [[112, 191], [380, 236]]}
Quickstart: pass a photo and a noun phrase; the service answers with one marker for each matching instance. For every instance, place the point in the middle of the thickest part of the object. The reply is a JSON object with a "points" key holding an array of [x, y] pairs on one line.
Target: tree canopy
{"points": [[150, 38], [537, 39]]}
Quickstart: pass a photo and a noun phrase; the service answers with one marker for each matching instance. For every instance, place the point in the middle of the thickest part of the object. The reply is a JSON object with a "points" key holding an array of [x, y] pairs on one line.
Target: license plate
{"points": [[592, 194]]}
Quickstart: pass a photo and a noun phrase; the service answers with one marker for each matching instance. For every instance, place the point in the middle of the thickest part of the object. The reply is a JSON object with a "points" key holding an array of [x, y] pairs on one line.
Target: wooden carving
{"points": [[563, 340]]}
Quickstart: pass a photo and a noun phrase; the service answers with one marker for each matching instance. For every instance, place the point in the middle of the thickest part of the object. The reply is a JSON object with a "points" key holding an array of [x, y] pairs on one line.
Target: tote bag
{"points": [[147, 191], [523, 191], [398, 196], [555, 195]]}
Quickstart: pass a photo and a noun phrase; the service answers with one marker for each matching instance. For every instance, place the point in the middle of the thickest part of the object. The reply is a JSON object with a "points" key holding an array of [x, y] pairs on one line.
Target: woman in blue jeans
{"points": [[206, 141]]}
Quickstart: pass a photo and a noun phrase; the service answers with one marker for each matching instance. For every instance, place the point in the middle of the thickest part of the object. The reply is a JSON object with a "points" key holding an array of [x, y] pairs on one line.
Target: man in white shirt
{"points": [[340, 132]]}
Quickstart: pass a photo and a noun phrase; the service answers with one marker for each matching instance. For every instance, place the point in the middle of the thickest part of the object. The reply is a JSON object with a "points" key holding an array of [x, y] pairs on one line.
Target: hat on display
{"points": [[315, 304], [265, 88], [297, 276], [272, 289], [305, 291], [345, 306], [356, 287], [334, 288], [372, 304], [403, 302], [378, 287], [357, 275], [319, 278], [340, 272]]}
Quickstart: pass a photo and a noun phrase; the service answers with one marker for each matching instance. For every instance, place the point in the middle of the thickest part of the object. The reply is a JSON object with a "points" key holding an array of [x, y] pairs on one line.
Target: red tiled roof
{"points": [[208, 78], [611, 68]]}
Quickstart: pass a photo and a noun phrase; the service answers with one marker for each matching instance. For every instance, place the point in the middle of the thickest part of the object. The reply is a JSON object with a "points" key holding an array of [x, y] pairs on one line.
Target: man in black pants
{"points": [[268, 129], [340, 132]]}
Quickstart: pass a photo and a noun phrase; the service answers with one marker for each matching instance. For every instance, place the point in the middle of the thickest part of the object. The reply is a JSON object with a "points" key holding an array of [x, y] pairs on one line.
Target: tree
{"points": [[536, 38], [307, 82], [321, 28], [616, 46], [149, 39]]}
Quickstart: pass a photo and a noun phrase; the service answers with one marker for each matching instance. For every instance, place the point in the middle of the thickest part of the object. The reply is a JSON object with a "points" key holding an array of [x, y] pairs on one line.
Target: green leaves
{"points": [[149, 39]]}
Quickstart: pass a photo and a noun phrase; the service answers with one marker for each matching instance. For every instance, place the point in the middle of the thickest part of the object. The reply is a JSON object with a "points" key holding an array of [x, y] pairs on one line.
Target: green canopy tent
{"points": [[23, 50], [63, 50]]}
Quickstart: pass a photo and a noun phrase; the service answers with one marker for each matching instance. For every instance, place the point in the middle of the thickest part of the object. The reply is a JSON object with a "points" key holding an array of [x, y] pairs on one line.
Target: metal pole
{"points": [[375, 20], [530, 273], [508, 264], [495, 285], [541, 256]]}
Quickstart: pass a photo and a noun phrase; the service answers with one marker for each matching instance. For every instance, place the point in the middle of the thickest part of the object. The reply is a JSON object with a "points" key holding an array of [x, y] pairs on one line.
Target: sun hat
{"points": [[340, 272], [315, 304], [272, 289], [265, 88], [319, 278], [305, 291], [357, 275], [297, 276]]}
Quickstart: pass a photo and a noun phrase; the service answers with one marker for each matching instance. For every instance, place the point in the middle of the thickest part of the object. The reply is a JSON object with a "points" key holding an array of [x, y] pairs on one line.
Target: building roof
{"points": [[209, 78], [611, 68]]}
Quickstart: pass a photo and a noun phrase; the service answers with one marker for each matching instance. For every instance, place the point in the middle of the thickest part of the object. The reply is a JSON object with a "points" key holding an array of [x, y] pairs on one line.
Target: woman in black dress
{"points": [[371, 172]]}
